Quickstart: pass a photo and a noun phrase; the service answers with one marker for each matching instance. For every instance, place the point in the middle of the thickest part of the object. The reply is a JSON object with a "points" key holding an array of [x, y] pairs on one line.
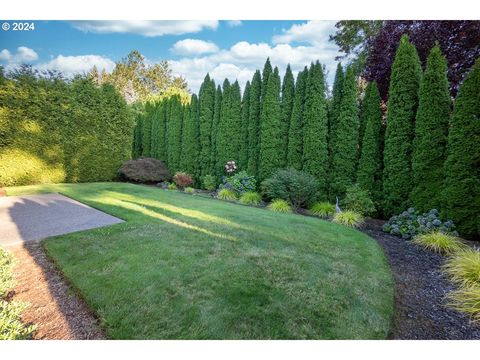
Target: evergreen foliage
{"points": [[462, 168], [206, 110], [174, 134], [288, 97], [243, 155], [431, 130], [402, 107], [216, 123], [254, 124], [334, 109], [267, 70], [190, 139]]}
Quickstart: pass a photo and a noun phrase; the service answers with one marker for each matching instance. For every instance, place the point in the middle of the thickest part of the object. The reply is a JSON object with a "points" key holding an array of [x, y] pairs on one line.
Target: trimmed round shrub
{"points": [[464, 267], [358, 200], [226, 194], [251, 198], [348, 218], [280, 205], [296, 187], [209, 182], [189, 190], [144, 170], [323, 209], [439, 242], [182, 179]]}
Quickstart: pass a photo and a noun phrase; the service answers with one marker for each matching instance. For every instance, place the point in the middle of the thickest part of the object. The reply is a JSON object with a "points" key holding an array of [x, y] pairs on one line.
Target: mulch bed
{"points": [[57, 311], [420, 311]]}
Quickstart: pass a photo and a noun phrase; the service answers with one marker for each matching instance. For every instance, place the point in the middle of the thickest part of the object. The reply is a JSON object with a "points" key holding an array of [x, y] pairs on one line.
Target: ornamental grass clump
{"points": [[251, 198], [189, 190], [466, 299], [172, 186], [323, 209], [280, 205], [348, 218], [464, 267], [226, 194], [439, 242]]}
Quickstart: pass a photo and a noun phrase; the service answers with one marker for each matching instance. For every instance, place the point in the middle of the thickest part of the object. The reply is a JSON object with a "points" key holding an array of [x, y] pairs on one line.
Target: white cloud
{"points": [[5, 55], [194, 47], [145, 27], [22, 55], [71, 65], [234, 23], [311, 32]]}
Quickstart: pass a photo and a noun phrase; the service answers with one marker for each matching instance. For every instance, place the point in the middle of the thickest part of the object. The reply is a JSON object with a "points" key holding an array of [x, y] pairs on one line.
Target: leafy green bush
{"points": [[296, 187], [410, 223], [226, 194], [348, 218], [172, 186], [52, 130], [439, 242], [464, 267], [280, 205], [189, 190], [209, 182], [144, 170], [6, 266], [466, 299], [251, 198], [358, 200], [182, 179], [11, 326], [239, 183], [323, 209]]}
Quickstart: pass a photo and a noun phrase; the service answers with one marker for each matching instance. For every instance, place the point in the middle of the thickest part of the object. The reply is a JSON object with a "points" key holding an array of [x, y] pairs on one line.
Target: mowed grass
{"points": [[189, 267]]}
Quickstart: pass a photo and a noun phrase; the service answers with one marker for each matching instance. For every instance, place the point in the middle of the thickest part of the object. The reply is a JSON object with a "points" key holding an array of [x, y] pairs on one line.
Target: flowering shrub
{"points": [[230, 167], [182, 179], [239, 183], [410, 223]]}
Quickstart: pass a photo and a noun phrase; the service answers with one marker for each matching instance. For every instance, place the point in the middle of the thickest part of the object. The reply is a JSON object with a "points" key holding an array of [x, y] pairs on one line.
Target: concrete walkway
{"points": [[35, 217]]}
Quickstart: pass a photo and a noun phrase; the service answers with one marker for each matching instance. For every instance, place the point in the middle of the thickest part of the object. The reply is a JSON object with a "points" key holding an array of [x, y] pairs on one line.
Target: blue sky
{"points": [[232, 49]]}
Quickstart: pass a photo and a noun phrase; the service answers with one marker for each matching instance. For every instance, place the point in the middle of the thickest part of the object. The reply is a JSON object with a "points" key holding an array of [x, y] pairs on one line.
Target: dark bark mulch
{"points": [[420, 310]]}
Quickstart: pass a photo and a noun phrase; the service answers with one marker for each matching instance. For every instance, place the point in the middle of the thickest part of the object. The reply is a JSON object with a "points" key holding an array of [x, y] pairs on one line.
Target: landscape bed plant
{"points": [[463, 267], [348, 218], [323, 209], [251, 198], [226, 194], [439, 242], [280, 205]]}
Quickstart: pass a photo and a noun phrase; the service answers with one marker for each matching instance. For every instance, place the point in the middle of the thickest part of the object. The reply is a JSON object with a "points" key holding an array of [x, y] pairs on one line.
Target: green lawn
{"points": [[190, 267]]}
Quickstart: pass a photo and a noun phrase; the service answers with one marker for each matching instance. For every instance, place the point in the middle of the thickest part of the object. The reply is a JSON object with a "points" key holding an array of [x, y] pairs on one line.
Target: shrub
{"points": [[182, 179], [410, 223], [296, 187], [209, 182], [439, 242], [172, 186], [348, 218], [189, 190], [464, 267], [251, 198], [323, 209], [226, 194], [239, 183], [280, 205], [467, 300], [11, 326], [358, 200], [6, 266], [144, 170]]}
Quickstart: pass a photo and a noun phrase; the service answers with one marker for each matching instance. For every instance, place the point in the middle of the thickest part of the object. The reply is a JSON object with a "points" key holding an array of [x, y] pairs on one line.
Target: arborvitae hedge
{"points": [[174, 134], [369, 173], [315, 150], [402, 106], [206, 103], [243, 155], [254, 124], [223, 137], [147, 131], [271, 132], [345, 145], [267, 70], [334, 109], [191, 138], [56, 131], [288, 97], [137, 137], [216, 123], [431, 130], [462, 168], [295, 132]]}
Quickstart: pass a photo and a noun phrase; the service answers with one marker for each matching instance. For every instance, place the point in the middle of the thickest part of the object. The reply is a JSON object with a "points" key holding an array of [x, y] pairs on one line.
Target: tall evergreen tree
{"points": [[369, 173], [315, 148], [295, 132], [216, 123], [191, 138], [175, 133], [254, 124], [155, 130], [346, 141], [207, 104], [402, 107], [243, 155], [271, 129], [267, 70], [334, 109], [137, 138], [223, 136], [431, 129], [462, 168], [147, 131], [288, 97], [161, 131]]}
